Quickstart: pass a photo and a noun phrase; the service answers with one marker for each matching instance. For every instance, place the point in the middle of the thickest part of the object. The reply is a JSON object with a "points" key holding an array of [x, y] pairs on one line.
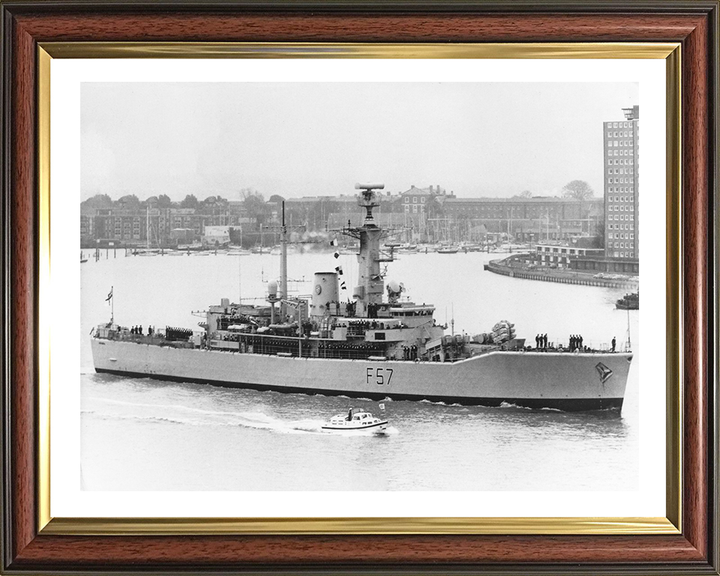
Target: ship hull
{"points": [[585, 381]]}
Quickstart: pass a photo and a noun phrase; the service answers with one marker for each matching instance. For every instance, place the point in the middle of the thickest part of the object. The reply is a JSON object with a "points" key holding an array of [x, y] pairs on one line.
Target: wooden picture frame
{"points": [[31, 545]]}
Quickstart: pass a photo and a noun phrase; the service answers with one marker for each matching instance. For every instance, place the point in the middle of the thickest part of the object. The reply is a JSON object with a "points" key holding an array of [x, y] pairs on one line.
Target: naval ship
{"points": [[377, 345]]}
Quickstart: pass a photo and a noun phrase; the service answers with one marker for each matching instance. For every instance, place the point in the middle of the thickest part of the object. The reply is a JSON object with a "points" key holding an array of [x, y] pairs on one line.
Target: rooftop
{"points": [[519, 200]]}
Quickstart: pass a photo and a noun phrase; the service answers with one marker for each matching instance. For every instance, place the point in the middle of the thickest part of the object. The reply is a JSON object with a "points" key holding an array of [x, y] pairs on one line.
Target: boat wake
{"points": [[187, 416], [184, 415], [514, 406], [440, 403], [157, 419]]}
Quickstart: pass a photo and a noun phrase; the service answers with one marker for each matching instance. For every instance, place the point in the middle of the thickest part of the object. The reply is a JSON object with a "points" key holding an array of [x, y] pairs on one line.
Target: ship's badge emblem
{"points": [[603, 371]]}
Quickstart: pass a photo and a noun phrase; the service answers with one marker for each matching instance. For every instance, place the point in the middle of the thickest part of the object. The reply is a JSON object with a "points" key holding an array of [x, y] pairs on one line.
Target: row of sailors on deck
{"points": [[410, 352], [139, 330], [371, 324]]}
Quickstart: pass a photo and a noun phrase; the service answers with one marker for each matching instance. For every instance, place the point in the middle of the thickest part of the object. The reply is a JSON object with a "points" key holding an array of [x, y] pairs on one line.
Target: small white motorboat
{"points": [[355, 421]]}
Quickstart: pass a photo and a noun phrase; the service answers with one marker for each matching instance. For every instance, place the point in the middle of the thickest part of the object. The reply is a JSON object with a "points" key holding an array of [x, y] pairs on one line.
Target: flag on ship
{"points": [[110, 295]]}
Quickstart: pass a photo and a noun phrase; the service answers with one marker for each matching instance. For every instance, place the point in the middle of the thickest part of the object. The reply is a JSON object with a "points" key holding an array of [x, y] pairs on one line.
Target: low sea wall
{"points": [[560, 276]]}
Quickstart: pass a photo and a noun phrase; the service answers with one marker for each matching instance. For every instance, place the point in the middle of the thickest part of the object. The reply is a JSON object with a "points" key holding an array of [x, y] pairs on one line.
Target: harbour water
{"points": [[142, 434]]}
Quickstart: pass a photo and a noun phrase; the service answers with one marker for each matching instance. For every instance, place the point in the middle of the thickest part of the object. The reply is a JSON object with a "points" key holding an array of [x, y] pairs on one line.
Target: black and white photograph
{"points": [[360, 286]]}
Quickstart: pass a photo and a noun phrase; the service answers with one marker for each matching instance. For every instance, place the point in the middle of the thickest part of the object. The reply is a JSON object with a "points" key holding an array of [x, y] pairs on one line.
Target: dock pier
{"points": [[559, 276]]}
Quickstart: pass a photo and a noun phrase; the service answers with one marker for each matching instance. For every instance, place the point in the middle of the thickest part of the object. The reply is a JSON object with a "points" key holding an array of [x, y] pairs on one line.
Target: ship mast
{"points": [[369, 291], [283, 265]]}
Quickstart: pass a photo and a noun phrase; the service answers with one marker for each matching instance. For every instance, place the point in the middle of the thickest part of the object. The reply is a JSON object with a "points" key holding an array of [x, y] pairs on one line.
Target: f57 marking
{"points": [[379, 376]]}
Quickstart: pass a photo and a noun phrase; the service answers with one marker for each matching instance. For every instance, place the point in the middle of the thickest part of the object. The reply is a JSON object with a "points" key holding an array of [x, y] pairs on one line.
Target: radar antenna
{"points": [[368, 199]]}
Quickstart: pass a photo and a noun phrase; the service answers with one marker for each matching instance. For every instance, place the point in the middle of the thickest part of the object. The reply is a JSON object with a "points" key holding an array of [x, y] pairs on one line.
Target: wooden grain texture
{"points": [[687, 553], [321, 27], [220, 552], [22, 279], [696, 202]]}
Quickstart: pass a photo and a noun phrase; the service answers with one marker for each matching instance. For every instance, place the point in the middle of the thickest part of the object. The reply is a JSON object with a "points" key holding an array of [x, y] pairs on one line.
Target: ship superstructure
{"points": [[375, 345]]}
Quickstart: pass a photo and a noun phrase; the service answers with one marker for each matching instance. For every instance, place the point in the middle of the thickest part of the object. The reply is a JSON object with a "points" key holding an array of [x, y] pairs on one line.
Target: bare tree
{"points": [[246, 193], [578, 189], [256, 206]]}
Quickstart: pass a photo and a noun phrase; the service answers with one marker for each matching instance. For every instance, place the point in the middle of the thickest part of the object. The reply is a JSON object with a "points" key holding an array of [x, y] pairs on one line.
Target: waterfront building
{"points": [[621, 177], [428, 214], [316, 213], [578, 258], [415, 200], [421, 209], [131, 226], [535, 219], [556, 256]]}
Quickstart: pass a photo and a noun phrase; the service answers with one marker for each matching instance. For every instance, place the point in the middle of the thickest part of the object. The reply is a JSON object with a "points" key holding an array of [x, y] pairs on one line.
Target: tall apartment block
{"points": [[621, 185]]}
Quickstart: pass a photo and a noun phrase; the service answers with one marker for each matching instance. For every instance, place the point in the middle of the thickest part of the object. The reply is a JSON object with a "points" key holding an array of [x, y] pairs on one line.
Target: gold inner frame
{"points": [[671, 524]]}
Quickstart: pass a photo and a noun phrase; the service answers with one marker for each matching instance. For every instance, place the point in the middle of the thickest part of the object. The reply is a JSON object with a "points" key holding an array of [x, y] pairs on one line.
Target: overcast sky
{"points": [[494, 139]]}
